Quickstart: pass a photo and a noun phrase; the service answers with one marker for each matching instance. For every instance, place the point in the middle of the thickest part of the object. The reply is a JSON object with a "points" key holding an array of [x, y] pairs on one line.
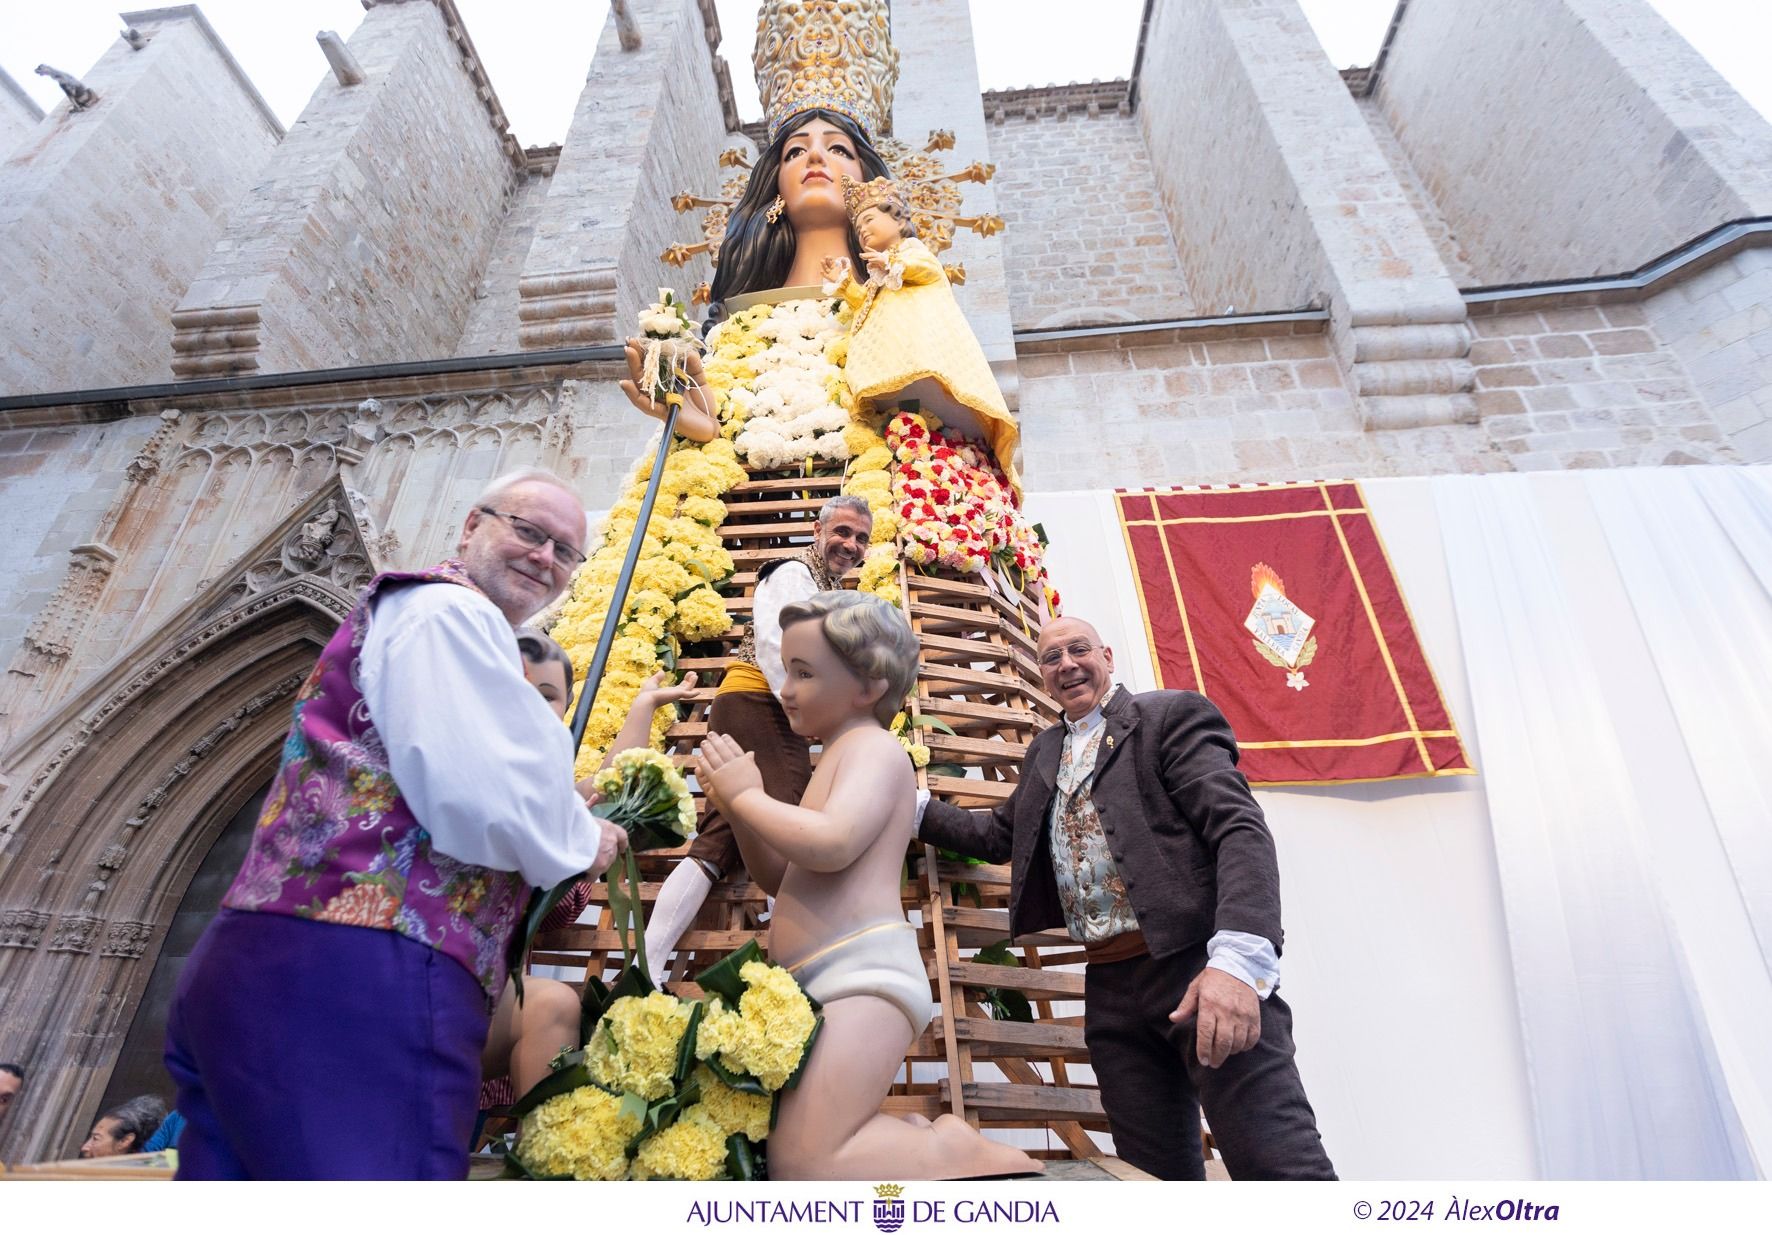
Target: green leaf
{"points": [[946, 769], [722, 978], [541, 904], [741, 1163], [686, 1048], [1008, 1005], [926, 721], [997, 954], [744, 1082], [552, 1086], [593, 1001], [633, 1106]]}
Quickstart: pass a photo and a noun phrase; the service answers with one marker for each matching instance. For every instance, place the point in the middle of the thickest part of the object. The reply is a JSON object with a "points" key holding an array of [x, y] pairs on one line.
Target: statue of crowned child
{"points": [[908, 340]]}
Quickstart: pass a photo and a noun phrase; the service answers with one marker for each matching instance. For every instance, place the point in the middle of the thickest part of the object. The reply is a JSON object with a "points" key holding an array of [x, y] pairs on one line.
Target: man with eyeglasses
{"points": [[1131, 826], [329, 1024]]}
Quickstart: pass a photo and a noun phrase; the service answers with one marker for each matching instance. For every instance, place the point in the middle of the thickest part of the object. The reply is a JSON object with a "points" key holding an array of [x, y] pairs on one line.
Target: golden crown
{"points": [[888, 1190], [834, 54], [859, 196]]}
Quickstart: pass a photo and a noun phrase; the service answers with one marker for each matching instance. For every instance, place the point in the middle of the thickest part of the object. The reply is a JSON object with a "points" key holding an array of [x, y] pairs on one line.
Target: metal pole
{"points": [[587, 695]]}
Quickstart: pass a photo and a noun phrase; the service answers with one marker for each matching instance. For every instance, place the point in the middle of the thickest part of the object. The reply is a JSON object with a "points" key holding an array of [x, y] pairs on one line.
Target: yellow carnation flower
{"points": [[766, 1036], [873, 459], [861, 438], [702, 615], [634, 1047], [582, 1134], [693, 1148], [732, 1110]]}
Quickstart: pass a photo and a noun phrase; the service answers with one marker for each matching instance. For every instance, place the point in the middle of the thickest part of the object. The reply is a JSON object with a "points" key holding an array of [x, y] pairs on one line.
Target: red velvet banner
{"points": [[1278, 603]]}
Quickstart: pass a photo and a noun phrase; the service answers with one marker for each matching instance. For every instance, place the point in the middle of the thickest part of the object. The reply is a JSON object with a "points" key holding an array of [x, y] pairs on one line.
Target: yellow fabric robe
{"points": [[914, 343]]}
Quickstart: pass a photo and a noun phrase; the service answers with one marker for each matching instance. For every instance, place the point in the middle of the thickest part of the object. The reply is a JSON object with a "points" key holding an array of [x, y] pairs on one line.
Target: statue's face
{"points": [[821, 692], [877, 230], [814, 160]]}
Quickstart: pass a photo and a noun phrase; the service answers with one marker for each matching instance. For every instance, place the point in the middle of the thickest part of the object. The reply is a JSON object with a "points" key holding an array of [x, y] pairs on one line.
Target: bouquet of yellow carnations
{"points": [[670, 1088], [644, 795], [759, 1027]]}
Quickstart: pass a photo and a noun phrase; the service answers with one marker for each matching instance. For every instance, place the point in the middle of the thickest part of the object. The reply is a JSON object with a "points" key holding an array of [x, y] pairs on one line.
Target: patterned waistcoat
{"points": [[336, 842], [821, 577]]}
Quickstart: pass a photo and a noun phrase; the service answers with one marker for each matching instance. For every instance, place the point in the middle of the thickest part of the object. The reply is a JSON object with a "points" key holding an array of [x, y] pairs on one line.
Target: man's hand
{"points": [[727, 771], [609, 846], [1229, 1015]]}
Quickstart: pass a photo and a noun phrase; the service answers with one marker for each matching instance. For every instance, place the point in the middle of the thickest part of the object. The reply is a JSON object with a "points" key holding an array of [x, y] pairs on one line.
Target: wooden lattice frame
{"points": [[978, 675]]}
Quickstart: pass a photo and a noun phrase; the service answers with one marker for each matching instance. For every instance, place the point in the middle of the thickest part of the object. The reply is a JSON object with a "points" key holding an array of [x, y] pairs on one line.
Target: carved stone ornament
{"points": [[22, 928], [157, 796], [152, 456], [75, 932], [127, 939], [58, 627], [327, 544], [112, 858]]}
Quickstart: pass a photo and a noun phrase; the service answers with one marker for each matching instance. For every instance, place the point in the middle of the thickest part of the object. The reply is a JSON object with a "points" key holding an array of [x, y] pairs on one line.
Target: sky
{"points": [[537, 51]]}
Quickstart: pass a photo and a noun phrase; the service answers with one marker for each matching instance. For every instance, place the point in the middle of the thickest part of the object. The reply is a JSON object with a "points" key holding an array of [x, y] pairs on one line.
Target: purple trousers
{"points": [[309, 1050]]}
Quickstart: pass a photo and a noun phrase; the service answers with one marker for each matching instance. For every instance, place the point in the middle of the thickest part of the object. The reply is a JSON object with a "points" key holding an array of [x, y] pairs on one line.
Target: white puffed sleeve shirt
{"points": [[476, 752]]}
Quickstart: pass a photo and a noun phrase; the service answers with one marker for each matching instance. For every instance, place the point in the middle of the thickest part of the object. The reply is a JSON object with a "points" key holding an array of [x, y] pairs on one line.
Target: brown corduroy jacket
{"points": [[1186, 834]]}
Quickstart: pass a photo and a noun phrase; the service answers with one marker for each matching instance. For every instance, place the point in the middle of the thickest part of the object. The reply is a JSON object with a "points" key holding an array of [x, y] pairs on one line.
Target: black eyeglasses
{"points": [[565, 556]]}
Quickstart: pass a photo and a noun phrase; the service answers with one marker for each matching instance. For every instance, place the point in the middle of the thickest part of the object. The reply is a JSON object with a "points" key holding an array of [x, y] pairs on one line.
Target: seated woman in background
{"points": [[124, 1129], [524, 1039]]}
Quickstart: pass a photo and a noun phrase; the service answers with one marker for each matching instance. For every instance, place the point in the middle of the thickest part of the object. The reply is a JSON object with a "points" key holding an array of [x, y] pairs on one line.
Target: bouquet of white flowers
{"points": [[671, 338]]}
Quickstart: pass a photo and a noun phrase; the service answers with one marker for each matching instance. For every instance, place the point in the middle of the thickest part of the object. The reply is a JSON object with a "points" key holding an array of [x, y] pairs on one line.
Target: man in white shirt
{"points": [[329, 1024], [747, 706]]}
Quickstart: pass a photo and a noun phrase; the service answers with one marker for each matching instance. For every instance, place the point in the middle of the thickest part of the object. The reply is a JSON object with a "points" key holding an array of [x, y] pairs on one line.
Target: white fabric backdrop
{"points": [[1550, 968]]}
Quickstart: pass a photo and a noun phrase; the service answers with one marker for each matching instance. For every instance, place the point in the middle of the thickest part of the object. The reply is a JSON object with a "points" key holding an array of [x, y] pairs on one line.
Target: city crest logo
{"points": [[888, 1207]]}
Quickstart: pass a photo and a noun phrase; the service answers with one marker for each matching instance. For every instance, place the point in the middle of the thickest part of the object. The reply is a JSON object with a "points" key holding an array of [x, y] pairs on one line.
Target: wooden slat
{"points": [[965, 791], [963, 714], [994, 1100], [1019, 978], [1042, 1038], [775, 482], [784, 506], [973, 748]]}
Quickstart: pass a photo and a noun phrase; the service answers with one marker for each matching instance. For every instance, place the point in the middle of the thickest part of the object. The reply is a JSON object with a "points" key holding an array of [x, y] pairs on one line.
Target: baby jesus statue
{"points": [[833, 863], [908, 339]]}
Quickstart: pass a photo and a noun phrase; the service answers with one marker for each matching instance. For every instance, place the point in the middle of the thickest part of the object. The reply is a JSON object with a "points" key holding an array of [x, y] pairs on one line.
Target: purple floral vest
{"points": [[336, 842]]}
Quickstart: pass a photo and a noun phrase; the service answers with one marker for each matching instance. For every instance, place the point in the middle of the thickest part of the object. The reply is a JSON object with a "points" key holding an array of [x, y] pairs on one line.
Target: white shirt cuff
{"points": [[922, 805], [1248, 958]]}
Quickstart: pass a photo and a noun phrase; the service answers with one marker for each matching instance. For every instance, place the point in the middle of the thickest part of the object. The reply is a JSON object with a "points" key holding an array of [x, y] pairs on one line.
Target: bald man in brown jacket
{"points": [[1132, 827]]}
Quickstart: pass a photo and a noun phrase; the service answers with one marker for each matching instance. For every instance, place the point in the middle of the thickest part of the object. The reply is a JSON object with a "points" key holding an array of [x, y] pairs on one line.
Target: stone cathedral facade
{"points": [[243, 367]]}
